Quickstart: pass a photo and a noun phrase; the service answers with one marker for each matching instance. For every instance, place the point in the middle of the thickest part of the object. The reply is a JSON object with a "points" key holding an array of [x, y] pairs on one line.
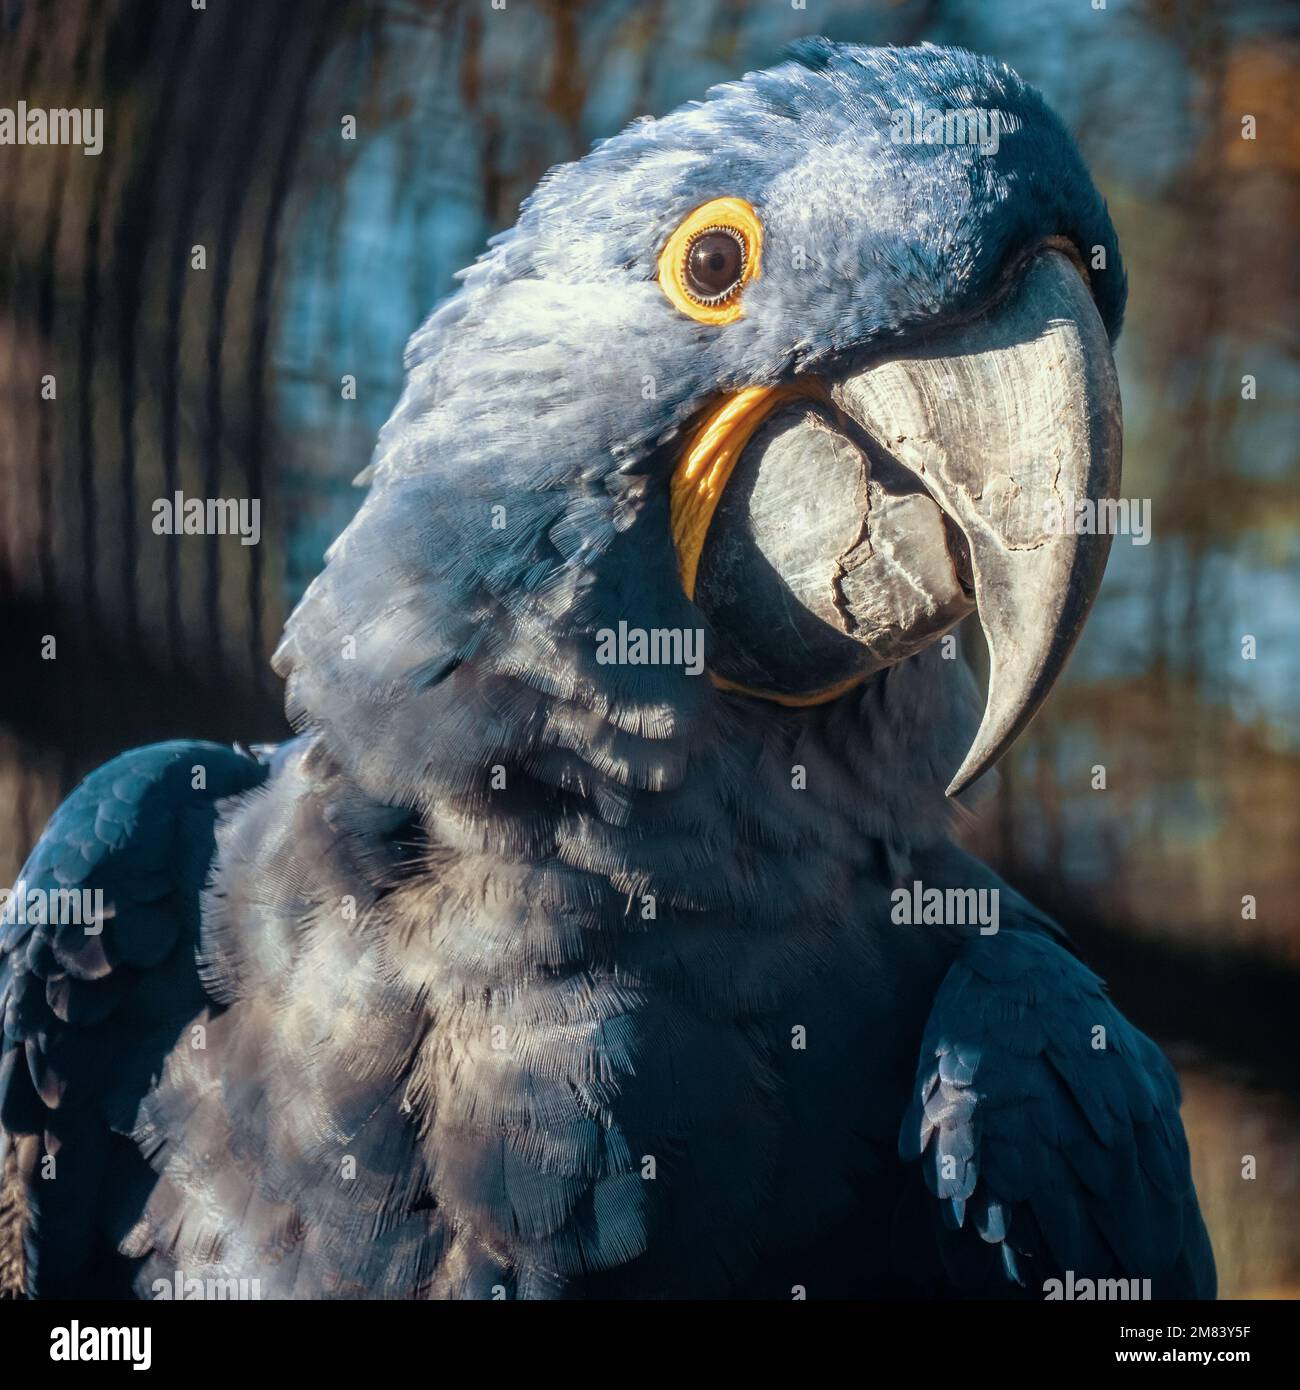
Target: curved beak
{"points": [[1011, 424]]}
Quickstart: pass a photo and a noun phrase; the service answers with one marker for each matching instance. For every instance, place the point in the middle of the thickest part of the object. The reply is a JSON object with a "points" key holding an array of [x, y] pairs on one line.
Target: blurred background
{"points": [[224, 127]]}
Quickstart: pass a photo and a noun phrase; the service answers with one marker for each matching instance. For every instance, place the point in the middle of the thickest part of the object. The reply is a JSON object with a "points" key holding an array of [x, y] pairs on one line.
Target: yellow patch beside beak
{"points": [[712, 451], [711, 454]]}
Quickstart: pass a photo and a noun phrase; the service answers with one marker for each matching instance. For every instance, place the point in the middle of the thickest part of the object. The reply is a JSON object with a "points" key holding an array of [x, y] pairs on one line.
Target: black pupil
{"points": [[714, 264]]}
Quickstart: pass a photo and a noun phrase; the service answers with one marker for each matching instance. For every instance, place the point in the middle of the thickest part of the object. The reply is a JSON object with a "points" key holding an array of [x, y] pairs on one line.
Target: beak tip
{"points": [[992, 740], [963, 778]]}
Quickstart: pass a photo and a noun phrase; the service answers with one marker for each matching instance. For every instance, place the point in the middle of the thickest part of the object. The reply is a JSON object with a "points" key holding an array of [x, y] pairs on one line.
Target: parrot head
{"points": [[819, 365]]}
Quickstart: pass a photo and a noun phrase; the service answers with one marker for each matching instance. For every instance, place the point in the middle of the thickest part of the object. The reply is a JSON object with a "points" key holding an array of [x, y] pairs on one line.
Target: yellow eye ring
{"points": [[723, 217]]}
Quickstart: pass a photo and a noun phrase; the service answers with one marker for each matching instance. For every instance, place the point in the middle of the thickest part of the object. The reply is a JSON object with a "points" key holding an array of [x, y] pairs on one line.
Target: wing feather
{"points": [[89, 1015], [1047, 1130]]}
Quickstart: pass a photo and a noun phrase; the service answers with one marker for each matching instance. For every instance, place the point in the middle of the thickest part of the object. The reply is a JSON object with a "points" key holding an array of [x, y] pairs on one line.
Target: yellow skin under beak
{"points": [[706, 465]]}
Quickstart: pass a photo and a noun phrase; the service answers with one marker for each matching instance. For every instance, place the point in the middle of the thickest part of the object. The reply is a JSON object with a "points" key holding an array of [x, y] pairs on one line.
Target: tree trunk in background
{"points": [[116, 635]]}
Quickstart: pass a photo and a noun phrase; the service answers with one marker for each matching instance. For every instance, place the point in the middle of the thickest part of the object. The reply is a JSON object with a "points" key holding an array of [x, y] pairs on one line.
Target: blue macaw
{"points": [[581, 943]]}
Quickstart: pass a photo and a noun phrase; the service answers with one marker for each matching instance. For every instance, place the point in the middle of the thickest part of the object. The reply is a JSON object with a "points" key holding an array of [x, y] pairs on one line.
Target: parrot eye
{"points": [[710, 258], [715, 265]]}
